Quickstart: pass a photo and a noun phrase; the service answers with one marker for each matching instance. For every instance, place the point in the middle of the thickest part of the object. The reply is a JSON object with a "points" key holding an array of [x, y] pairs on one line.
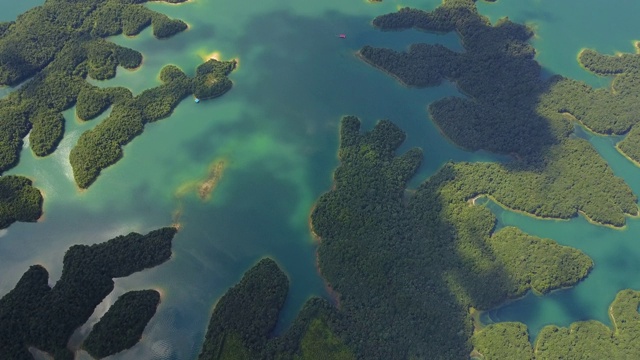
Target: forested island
{"points": [[131, 311], [246, 315], [36, 315], [19, 200], [508, 108], [52, 49], [56, 46]]}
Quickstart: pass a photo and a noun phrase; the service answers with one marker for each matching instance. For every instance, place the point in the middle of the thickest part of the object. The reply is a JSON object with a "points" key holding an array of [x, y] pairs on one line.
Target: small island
{"points": [[206, 187], [131, 311], [19, 200], [246, 315]]}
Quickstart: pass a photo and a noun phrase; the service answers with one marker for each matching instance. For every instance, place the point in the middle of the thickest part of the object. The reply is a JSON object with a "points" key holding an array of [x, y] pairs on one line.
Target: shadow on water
{"points": [[503, 116], [305, 91]]}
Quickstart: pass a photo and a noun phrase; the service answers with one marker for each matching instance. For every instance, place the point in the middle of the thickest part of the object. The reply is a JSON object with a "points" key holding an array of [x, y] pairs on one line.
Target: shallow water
{"points": [[277, 132]]}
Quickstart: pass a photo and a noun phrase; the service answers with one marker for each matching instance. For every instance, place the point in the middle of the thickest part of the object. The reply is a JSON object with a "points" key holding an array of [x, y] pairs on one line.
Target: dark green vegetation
{"points": [[53, 48], [408, 266], [505, 341], [507, 108], [131, 311], [510, 109], [19, 201], [246, 315], [58, 45], [33, 314], [38, 36], [320, 343], [102, 146], [606, 111], [243, 320], [582, 340]]}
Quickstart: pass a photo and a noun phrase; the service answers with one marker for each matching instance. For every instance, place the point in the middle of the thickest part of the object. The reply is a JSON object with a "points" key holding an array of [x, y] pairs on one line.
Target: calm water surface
{"points": [[276, 130]]}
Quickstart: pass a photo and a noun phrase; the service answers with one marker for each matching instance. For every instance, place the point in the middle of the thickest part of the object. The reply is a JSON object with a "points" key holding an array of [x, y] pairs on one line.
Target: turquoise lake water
{"points": [[277, 131]]}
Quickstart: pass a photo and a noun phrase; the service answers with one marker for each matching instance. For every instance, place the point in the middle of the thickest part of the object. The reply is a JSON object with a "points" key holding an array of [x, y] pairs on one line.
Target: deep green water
{"points": [[277, 131]]}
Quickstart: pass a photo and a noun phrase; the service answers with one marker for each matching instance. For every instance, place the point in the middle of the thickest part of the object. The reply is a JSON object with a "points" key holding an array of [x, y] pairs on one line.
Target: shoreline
{"points": [[572, 118], [162, 292], [549, 218], [634, 162], [216, 55], [429, 112], [509, 300], [395, 77], [333, 294]]}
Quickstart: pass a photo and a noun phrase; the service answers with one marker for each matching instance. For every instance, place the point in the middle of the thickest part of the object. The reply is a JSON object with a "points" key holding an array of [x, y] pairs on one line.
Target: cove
{"points": [[613, 251]]}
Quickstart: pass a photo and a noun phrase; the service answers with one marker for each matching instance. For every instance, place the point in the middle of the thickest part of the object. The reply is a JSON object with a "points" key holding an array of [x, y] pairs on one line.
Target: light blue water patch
{"points": [[11, 9]]}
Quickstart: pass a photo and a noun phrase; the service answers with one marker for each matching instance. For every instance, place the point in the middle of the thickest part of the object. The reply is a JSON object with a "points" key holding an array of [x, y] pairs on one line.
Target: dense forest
{"points": [[406, 266], [243, 320], [36, 315], [409, 265], [245, 316], [19, 201], [132, 311], [510, 109]]}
